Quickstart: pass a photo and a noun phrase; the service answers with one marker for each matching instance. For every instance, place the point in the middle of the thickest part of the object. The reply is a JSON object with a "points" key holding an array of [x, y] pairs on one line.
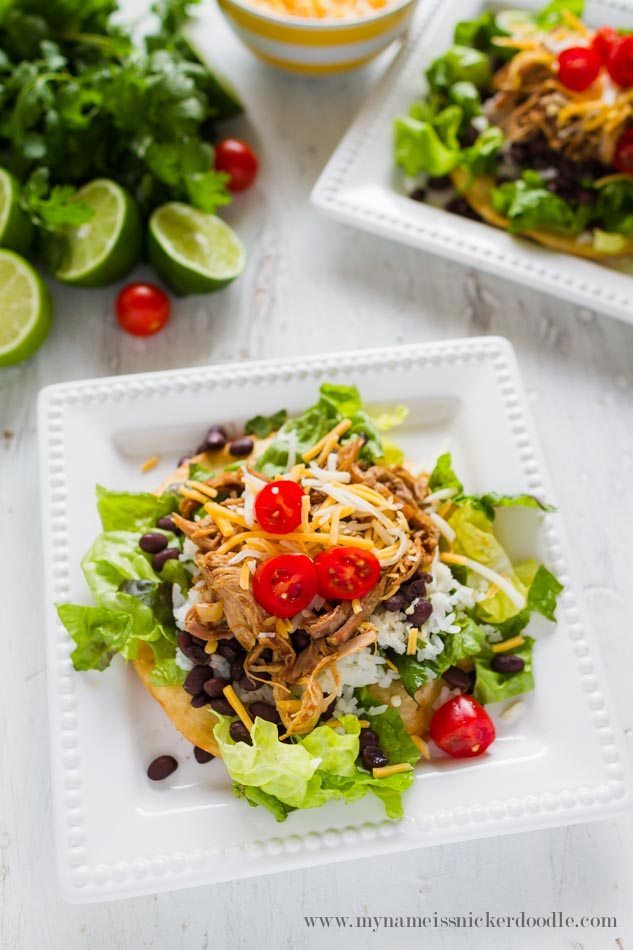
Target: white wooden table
{"points": [[313, 286]]}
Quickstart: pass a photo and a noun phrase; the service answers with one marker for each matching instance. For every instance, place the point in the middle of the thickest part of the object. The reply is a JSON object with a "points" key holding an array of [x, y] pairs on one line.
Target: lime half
{"points": [[25, 309], [16, 230], [105, 248], [194, 252]]}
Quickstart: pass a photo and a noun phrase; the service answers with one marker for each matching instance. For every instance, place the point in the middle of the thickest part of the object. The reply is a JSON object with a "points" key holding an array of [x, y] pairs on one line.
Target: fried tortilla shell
{"points": [[477, 192]]}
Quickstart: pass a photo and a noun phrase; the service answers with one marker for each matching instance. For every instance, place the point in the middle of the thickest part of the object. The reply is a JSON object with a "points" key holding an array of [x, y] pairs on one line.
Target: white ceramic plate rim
{"points": [[84, 883], [345, 192]]}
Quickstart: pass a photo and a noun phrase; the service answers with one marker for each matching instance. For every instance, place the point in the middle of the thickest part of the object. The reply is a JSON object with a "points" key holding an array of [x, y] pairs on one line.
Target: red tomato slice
{"points": [[578, 67], [142, 309], [238, 160], [462, 728], [346, 573], [620, 62], [285, 584], [604, 40], [278, 506], [623, 158]]}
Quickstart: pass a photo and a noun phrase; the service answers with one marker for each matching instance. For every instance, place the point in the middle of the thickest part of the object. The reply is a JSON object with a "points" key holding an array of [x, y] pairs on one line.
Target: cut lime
{"points": [[25, 309], [16, 230], [103, 249], [194, 252]]}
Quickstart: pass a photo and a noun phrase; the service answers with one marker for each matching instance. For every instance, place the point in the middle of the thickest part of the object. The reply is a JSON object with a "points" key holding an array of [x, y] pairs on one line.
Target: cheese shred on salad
{"points": [[320, 612]]}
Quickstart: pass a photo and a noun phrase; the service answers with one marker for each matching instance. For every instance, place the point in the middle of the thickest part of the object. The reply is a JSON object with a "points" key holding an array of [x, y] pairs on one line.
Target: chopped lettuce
{"points": [[393, 738], [99, 633], [481, 157], [468, 642], [262, 426], [336, 402], [529, 206], [443, 475], [552, 16], [614, 206], [390, 418], [166, 672], [478, 32], [199, 473], [543, 593], [493, 687], [317, 768], [419, 146], [133, 511], [459, 63], [466, 95]]}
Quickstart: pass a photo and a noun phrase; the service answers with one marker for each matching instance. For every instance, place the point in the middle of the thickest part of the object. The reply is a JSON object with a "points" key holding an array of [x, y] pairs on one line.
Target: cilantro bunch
{"points": [[80, 98]]}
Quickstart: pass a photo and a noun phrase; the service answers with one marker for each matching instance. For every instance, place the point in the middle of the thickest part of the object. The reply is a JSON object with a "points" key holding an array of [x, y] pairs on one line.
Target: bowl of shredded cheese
{"points": [[317, 37]]}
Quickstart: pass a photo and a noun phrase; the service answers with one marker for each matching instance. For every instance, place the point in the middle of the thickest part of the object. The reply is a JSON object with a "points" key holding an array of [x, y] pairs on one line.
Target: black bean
{"points": [[239, 732], [196, 678], [168, 525], [201, 755], [191, 650], [222, 706], [161, 767], [241, 447], [153, 542], [458, 679], [461, 207], [469, 136], [159, 560], [395, 602], [538, 146], [367, 737], [519, 152], [237, 669], [264, 711], [230, 649], [438, 182], [421, 613], [417, 588], [215, 439], [266, 655], [373, 758], [248, 684], [201, 700], [507, 663], [586, 197], [418, 194], [300, 640], [214, 686]]}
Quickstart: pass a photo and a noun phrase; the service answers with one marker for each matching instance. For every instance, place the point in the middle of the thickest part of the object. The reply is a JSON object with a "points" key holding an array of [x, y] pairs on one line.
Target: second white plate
{"points": [[360, 184]]}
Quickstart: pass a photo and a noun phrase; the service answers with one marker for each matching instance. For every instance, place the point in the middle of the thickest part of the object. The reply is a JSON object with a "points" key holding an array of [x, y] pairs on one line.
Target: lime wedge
{"points": [[103, 249], [194, 252], [16, 230], [25, 309]]}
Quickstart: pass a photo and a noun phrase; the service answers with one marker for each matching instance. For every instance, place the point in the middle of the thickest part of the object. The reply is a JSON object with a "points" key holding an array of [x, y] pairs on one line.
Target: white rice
{"points": [[182, 605], [182, 661], [189, 550]]}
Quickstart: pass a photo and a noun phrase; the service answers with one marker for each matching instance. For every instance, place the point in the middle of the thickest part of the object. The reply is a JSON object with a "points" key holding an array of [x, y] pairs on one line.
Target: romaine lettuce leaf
{"points": [[469, 642], [459, 63], [543, 593], [99, 633], [132, 511], [443, 475], [529, 206], [419, 147], [551, 15], [262, 426], [614, 206], [481, 157], [199, 473], [393, 738], [166, 672], [477, 32], [492, 687]]}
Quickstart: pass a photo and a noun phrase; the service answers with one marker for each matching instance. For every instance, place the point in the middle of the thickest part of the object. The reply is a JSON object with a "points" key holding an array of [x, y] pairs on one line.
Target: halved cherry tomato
{"points": [[346, 573], [623, 157], [142, 309], [604, 40], [238, 160], [620, 62], [285, 584], [578, 67], [278, 506], [462, 728]]}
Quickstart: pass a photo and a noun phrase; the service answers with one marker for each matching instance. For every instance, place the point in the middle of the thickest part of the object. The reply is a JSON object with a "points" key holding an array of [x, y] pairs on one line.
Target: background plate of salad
{"points": [[395, 171], [557, 758]]}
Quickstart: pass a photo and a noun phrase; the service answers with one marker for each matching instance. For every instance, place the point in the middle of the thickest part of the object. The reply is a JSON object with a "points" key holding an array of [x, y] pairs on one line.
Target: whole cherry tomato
{"points": [[346, 573], [578, 67], [278, 506], [620, 62], [285, 584], [462, 728], [238, 160], [142, 309], [623, 157], [604, 40]]}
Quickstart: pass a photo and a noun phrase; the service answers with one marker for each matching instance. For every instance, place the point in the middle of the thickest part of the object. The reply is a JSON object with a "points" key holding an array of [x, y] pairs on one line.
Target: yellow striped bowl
{"points": [[316, 47]]}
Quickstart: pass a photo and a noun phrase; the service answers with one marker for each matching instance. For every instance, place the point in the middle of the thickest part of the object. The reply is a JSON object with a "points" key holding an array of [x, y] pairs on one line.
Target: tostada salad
{"points": [[527, 124], [312, 607]]}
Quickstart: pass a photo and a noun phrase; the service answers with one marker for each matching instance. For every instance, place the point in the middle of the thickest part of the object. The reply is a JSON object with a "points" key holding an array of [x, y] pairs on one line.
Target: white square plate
{"points": [[119, 834], [362, 187]]}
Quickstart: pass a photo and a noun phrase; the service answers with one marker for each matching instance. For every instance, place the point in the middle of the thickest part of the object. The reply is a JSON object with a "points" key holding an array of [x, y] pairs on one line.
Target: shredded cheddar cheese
{"points": [[421, 745], [322, 9], [238, 706], [150, 463], [388, 770], [507, 645], [412, 642]]}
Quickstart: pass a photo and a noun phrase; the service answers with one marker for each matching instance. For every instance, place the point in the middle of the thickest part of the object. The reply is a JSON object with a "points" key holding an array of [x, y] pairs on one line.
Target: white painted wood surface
{"points": [[314, 286]]}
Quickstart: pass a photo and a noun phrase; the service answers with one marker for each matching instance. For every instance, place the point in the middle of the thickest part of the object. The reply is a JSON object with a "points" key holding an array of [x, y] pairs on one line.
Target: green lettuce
{"points": [[459, 63], [493, 687], [99, 633], [468, 642], [199, 473], [133, 511], [262, 426], [614, 207], [551, 15], [420, 148], [478, 32], [283, 776], [529, 206], [466, 95], [166, 672], [443, 475], [481, 157], [336, 402]]}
